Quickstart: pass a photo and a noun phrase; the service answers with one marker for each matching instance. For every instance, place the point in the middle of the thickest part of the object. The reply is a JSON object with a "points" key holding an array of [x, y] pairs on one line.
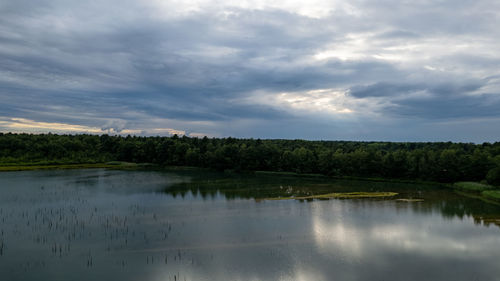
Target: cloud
{"points": [[114, 126], [382, 89], [198, 65], [30, 126]]}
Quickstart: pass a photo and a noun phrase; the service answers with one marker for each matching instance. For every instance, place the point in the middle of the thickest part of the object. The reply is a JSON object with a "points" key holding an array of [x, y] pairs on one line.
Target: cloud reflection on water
{"points": [[230, 237]]}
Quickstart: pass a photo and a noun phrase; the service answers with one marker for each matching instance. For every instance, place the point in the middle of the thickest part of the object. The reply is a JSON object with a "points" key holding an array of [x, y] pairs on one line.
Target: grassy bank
{"points": [[479, 197], [485, 192], [469, 186], [492, 194]]}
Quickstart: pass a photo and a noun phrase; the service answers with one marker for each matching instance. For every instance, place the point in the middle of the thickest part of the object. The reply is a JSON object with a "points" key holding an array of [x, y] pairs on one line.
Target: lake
{"points": [[98, 224]]}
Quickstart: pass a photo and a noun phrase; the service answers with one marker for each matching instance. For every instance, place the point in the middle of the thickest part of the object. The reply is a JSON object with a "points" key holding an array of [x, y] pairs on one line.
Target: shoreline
{"points": [[131, 165], [457, 187], [14, 168], [56, 166]]}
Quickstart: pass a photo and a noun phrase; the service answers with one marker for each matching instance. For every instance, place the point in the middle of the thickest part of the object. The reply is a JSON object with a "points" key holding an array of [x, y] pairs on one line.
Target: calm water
{"points": [[143, 225]]}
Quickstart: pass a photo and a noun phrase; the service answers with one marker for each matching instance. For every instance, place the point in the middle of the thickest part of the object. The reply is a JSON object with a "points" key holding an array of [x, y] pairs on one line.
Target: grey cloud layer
{"points": [[89, 63]]}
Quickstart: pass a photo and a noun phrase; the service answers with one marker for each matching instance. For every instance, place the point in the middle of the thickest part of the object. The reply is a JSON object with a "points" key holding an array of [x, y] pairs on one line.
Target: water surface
{"points": [[102, 224]]}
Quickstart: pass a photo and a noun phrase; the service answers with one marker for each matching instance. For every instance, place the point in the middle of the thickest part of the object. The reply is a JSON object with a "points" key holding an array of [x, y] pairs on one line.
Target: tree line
{"points": [[432, 161]]}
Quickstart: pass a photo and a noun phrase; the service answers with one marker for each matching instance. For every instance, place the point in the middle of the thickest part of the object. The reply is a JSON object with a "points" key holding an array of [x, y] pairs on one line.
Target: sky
{"points": [[387, 70]]}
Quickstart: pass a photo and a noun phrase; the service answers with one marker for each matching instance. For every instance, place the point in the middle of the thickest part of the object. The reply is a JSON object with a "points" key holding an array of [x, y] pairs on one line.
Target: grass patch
{"points": [[343, 195], [472, 186], [484, 192], [478, 196], [491, 194]]}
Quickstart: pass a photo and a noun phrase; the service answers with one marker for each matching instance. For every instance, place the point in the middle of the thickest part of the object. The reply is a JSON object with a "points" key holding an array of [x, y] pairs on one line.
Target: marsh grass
{"points": [[472, 186], [478, 196], [491, 194]]}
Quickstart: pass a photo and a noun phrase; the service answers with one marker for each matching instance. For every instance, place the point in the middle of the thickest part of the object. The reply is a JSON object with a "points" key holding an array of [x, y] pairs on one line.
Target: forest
{"points": [[427, 161]]}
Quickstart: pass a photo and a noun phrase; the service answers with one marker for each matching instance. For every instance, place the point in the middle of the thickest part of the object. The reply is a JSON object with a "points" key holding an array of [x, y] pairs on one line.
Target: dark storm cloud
{"points": [[433, 101], [383, 89], [92, 63], [447, 107]]}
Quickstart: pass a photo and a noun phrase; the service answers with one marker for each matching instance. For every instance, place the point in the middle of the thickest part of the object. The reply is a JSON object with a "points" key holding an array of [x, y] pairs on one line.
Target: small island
{"points": [[342, 195]]}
